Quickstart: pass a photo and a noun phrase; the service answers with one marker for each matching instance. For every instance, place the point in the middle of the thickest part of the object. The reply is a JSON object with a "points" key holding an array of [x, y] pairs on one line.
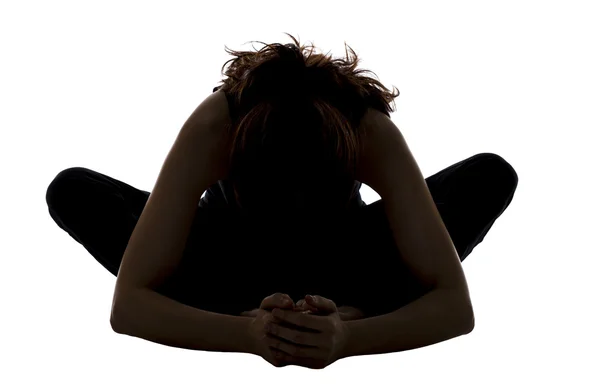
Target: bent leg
{"points": [[470, 196], [216, 272], [97, 211]]}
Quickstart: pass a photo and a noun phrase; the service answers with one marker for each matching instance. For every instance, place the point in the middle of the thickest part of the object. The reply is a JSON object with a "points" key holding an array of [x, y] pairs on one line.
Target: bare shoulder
{"points": [[213, 110], [377, 128], [381, 141]]}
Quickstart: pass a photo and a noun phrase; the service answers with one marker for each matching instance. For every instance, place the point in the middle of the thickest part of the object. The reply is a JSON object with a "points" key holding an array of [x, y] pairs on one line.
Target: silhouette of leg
{"points": [[215, 272], [97, 211], [470, 196]]}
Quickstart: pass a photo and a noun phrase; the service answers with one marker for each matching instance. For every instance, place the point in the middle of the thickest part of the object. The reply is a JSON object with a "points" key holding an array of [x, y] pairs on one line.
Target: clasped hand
{"points": [[309, 333]]}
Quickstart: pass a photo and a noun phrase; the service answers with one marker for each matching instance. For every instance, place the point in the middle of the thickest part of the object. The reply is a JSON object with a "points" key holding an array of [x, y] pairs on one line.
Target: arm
{"points": [[388, 166], [348, 313], [197, 159], [154, 317], [435, 317]]}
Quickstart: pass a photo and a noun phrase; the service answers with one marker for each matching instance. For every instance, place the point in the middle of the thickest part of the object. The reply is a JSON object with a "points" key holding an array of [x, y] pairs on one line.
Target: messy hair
{"points": [[296, 121]]}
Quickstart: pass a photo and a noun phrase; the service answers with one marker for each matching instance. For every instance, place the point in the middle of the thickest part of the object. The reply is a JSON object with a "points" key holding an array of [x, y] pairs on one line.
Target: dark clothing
{"points": [[231, 263], [221, 193]]}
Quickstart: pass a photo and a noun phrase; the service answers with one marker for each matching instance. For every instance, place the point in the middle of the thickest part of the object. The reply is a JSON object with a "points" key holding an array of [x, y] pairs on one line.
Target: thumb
{"points": [[321, 303], [277, 300]]}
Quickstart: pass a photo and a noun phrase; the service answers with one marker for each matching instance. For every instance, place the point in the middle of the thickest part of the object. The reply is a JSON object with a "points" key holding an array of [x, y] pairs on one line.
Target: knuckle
{"points": [[279, 298]]}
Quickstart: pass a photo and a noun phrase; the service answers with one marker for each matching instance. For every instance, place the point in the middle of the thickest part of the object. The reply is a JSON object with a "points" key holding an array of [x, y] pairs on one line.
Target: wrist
{"points": [[246, 340], [350, 313], [343, 350]]}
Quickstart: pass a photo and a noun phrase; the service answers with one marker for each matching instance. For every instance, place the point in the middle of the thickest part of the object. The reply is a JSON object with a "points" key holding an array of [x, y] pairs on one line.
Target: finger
{"points": [[299, 337], [281, 349], [314, 322], [277, 300], [322, 303], [303, 306], [302, 303], [302, 310]]}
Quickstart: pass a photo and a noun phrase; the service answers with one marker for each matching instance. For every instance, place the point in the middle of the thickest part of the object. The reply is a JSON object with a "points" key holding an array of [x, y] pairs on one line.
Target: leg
{"points": [[101, 212], [230, 262], [97, 211], [470, 196]]}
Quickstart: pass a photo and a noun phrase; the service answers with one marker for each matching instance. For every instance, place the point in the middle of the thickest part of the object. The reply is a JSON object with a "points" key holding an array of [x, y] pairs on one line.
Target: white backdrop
{"points": [[107, 86]]}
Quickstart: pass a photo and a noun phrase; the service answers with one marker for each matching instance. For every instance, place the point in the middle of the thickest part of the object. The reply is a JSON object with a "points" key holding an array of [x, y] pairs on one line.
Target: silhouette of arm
{"points": [[435, 317], [196, 160], [388, 167]]}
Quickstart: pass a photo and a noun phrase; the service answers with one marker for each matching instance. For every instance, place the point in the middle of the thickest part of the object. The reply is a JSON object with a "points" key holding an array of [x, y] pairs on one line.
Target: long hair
{"points": [[296, 124]]}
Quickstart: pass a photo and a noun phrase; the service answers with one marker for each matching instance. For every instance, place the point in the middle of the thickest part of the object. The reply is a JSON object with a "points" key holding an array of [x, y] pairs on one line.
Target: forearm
{"points": [[157, 318], [435, 317]]}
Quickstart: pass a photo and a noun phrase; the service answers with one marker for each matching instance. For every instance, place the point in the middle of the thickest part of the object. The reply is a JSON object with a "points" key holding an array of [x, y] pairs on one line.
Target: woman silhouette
{"points": [[291, 197]]}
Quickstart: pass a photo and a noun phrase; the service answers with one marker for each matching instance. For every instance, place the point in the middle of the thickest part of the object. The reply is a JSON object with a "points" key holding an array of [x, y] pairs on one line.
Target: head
{"points": [[295, 133]]}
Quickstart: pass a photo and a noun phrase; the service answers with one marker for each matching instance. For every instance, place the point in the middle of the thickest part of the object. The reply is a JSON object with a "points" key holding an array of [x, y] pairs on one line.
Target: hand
{"points": [[346, 312], [316, 342], [296, 308], [258, 326]]}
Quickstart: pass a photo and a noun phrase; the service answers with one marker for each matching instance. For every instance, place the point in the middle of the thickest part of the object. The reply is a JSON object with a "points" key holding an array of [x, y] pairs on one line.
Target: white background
{"points": [[107, 86]]}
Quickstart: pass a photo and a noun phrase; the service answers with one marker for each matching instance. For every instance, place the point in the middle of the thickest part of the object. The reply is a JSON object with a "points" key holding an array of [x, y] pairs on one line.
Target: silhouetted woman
{"points": [[280, 151]]}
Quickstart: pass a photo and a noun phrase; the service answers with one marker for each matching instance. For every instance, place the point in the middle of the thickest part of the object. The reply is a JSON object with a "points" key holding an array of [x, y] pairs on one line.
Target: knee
{"points": [[62, 183], [501, 168]]}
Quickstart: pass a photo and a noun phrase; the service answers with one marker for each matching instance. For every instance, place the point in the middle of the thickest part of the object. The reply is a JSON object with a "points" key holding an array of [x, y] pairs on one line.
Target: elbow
{"points": [[463, 323], [469, 319], [470, 324], [120, 313], [116, 319], [117, 327], [462, 311]]}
